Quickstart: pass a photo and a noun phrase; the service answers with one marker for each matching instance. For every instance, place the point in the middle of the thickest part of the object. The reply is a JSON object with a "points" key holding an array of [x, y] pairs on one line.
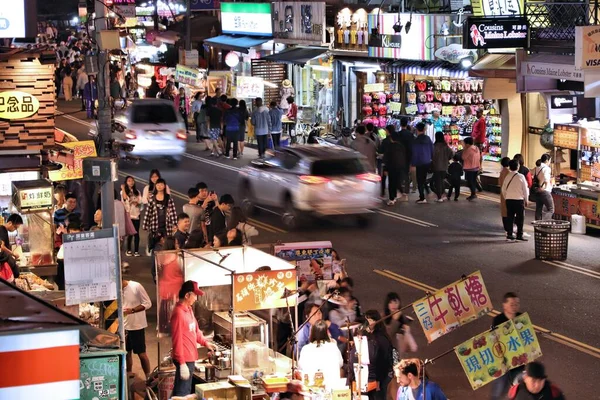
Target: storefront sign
{"points": [[127, 11], [249, 87], [190, 76], [189, 58], [199, 5], [263, 290], [559, 102], [495, 33], [489, 356], [566, 137], [17, 105], [18, 19], [587, 47], [454, 53], [555, 71], [81, 150], [374, 87], [497, 8], [299, 22], [590, 137], [386, 41], [35, 199], [453, 306], [253, 19], [313, 260]]}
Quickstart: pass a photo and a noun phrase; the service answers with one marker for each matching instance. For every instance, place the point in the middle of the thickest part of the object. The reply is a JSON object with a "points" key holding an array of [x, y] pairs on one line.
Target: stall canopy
{"points": [[428, 68], [235, 43], [495, 66], [296, 55]]}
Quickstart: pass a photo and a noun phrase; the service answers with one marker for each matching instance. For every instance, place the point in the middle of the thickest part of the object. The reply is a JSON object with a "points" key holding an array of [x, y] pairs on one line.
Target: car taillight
{"points": [[369, 177], [181, 135], [130, 134], [313, 180]]}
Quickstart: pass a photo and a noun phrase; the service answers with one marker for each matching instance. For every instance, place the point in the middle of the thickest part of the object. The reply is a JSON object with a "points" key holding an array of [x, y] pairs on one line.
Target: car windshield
{"points": [[349, 166], [153, 114]]}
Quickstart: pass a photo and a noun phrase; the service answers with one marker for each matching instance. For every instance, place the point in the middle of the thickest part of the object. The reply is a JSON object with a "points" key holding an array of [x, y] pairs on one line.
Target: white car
{"points": [[155, 128], [315, 180]]}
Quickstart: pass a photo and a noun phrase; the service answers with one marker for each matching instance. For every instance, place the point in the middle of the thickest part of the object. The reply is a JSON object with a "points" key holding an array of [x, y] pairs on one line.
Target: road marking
{"points": [[415, 220], [556, 337], [400, 218], [574, 268], [179, 195]]}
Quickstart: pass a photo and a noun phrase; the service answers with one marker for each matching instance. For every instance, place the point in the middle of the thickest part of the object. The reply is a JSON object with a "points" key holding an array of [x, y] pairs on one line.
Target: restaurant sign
{"points": [[495, 33], [36, 199], [17, 105], [554, 71]]}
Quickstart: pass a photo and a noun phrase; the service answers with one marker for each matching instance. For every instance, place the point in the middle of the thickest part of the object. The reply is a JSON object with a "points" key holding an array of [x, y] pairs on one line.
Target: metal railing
{"points": [[555, 22]]}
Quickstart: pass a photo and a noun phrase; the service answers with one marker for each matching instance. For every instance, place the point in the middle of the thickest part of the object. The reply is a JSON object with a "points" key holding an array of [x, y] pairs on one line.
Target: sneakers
{"points": [[128, 253], [526, 235], [391, 202], [456, 199], [422, 201], [227, 157], [472, 197], [403, 198], [522, 239], [235, 158], [136, 254], [440, 200], [510, 238]]}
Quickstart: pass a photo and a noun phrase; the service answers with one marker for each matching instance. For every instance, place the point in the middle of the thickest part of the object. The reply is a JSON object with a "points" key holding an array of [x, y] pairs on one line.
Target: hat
{"points": [[297, 387], [190, 286], [286, 83], [535, 370]]}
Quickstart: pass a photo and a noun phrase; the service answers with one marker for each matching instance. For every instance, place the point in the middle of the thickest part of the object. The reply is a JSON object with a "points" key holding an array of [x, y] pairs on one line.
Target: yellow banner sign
{"points": [[455, 305], [17, 105], [262, 290], [531, 345], [81, 150]]}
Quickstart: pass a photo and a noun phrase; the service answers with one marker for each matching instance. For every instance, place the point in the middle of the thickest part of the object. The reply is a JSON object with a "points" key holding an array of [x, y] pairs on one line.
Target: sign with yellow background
{"points": [[81, 150], [263, 290], [531, 345]]}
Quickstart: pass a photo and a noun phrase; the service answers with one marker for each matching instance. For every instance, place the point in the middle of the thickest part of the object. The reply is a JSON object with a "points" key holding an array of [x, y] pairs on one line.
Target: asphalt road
{"points": [[427, 247]]}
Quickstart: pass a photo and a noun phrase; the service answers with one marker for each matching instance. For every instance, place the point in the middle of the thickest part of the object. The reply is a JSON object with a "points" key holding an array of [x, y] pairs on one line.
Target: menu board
{"points": [[590, 137], [566, 136], [263, 290]]}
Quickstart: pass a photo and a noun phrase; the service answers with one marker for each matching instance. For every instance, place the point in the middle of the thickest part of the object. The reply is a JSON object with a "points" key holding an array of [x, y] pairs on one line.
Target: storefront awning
{"points": [[296, 55], [429, 68], [235, 43], [495, 66]]}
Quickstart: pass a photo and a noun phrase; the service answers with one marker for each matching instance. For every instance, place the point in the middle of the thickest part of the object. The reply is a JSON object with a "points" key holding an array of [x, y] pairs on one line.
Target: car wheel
{"points": [[291, 216], [248, 206], [364, 221]]}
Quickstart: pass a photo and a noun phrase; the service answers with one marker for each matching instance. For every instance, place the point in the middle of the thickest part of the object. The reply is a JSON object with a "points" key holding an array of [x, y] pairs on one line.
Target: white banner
{"points": [[553, 71]]}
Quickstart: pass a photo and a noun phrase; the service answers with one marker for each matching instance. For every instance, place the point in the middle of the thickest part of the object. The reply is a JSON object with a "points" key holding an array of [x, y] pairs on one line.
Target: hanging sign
{"points": [[81, 150], [559, 102], [587, 47], [36, 199], [249, 87], [454, 53], [313, 260], [263, 290], [495, 33], [498, 8], [299, 22], [455, 305], [253, 19], [555, 71], [17, 105], [190, 76], [374, 87]]}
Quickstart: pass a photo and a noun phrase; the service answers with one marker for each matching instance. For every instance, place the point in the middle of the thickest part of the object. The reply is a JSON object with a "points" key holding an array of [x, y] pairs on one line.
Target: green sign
{"points": [[252, 19], [100, 378]]}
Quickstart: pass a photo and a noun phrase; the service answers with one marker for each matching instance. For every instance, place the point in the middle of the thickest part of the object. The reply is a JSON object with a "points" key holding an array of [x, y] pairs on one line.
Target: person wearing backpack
{"points": [[232, 121], [542, 187], [394, 159]]}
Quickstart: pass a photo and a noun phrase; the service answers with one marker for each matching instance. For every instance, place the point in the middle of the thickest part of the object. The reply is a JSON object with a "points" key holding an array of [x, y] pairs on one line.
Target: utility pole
{"points": [[188, 25], [155, 15]]}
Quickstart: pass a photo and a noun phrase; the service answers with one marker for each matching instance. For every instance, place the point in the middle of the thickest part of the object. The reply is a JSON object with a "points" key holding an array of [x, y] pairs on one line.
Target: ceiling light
{"points": [[466, 62]]}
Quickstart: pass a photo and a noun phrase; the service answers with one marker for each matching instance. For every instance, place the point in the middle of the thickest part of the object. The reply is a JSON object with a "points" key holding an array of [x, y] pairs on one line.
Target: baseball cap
{"points": [[535, 370], [190, 286]]}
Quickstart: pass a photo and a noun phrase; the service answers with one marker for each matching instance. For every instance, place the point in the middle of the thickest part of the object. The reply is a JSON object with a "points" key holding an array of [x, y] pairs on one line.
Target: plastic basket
{"points": [[551, 239]]}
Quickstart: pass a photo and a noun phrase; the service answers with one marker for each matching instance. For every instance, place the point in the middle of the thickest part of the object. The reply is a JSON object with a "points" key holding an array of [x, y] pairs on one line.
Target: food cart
{"points": [[236, 284], [34, 201]]}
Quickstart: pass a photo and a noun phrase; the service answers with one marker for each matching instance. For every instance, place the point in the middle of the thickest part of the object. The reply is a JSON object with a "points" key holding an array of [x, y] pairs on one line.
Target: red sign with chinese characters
{"points": [[263, 290], [455, 305]]}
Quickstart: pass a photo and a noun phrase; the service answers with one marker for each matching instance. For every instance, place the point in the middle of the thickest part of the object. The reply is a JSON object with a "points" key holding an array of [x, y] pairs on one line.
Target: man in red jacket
{"points": [[535, 385], [185, 334]]}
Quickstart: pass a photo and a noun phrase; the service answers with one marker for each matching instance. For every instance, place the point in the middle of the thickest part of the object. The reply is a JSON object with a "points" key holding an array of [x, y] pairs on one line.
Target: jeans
{"points": [[405, 184], [230, 142], [544, 199], [422, 179], [261, 140], [515, 214], [472, 181], [395, 180], [438, 177], [276, 139], [135, 238], [181, 387], [454, 185]]}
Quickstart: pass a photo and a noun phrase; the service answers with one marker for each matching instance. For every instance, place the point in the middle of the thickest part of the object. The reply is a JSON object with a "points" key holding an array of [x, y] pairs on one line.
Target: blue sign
{"points": [[200, 5]]}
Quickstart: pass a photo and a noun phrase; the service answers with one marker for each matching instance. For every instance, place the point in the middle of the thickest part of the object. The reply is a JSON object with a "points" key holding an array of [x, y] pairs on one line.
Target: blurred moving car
{"points": [[311, 180], [155, 128]]}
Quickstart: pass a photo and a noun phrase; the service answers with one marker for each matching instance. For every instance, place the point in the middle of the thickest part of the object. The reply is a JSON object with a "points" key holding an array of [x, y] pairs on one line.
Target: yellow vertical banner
{"points": [[531, 344], [457, 304]]}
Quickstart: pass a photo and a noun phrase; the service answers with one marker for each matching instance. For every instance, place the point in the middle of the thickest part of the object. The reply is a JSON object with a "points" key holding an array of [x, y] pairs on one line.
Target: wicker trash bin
{"points": [[551, 239]]}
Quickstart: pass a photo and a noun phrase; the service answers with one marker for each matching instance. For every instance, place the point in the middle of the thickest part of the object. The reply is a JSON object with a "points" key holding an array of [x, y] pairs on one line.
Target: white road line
{"points": [[398, 217], [269, 211], [592, 274], [578, 268], [391, 213]]}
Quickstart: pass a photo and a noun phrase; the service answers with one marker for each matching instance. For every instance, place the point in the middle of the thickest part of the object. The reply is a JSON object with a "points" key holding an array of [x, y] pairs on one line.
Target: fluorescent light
{"points": [[466, 62]]}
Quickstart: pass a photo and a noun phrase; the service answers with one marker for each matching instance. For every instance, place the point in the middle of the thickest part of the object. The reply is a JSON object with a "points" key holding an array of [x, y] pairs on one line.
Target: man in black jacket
{"points": [[535, 385], [394, 158], [406, 137], [218, 219]]}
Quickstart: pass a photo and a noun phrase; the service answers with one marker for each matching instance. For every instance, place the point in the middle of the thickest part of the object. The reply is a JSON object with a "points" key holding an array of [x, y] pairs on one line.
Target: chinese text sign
{"points": [[263, 290]]}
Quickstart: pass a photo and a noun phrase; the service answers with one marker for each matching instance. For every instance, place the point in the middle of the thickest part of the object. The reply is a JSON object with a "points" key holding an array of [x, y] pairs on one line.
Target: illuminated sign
{"points": [[17, 105], [253, 19], [495, 33], [558, 102], [36, 199]]}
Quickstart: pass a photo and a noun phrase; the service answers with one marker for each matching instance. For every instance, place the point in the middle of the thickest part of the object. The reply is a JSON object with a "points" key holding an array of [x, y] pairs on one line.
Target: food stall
{"points": [[578, 185], [34, 201], [237, 285]]}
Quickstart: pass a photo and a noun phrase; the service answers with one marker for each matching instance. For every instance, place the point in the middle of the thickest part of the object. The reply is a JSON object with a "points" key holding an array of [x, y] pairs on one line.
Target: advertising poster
{"points": [[249, 87], [81, 150], [531, 345], [313, 260], [190, 76], [263, 290], [455, 305]]}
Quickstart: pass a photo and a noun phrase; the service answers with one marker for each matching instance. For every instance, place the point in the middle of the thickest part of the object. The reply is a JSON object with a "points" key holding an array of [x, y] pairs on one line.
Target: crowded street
{"points": [[411, 250]]}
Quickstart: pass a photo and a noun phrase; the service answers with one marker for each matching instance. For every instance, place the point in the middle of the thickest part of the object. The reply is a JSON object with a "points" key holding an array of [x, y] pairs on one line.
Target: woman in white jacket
{"points": [[321, 360], [238, 221]]}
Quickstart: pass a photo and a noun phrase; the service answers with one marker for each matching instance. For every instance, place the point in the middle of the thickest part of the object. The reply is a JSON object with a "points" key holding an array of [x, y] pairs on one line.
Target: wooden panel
{"points": [[271, 72], [24, 73]]}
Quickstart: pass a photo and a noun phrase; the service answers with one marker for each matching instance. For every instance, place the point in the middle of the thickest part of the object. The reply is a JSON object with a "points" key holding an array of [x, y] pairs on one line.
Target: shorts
{"points": [[135, 341], [241, 136], [214, 133]]}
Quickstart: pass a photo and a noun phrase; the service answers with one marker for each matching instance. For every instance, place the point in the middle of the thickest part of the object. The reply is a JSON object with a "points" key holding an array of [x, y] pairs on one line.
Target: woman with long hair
{"points": [[442, 154], [320, 360], [237, 220], [384, 359], [182, 103], [245, 116], [161, 215], [132, 200], [149, 188], [397, 324]]}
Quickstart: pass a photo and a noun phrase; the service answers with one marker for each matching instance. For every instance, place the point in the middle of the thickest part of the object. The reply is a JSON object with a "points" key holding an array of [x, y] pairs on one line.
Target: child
{"points": [[455, 170]]}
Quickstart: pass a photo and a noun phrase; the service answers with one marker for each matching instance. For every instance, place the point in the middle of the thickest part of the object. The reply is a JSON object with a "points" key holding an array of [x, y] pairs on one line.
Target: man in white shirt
{"points": [[544, 193], [135, 304], [516, 192]]}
